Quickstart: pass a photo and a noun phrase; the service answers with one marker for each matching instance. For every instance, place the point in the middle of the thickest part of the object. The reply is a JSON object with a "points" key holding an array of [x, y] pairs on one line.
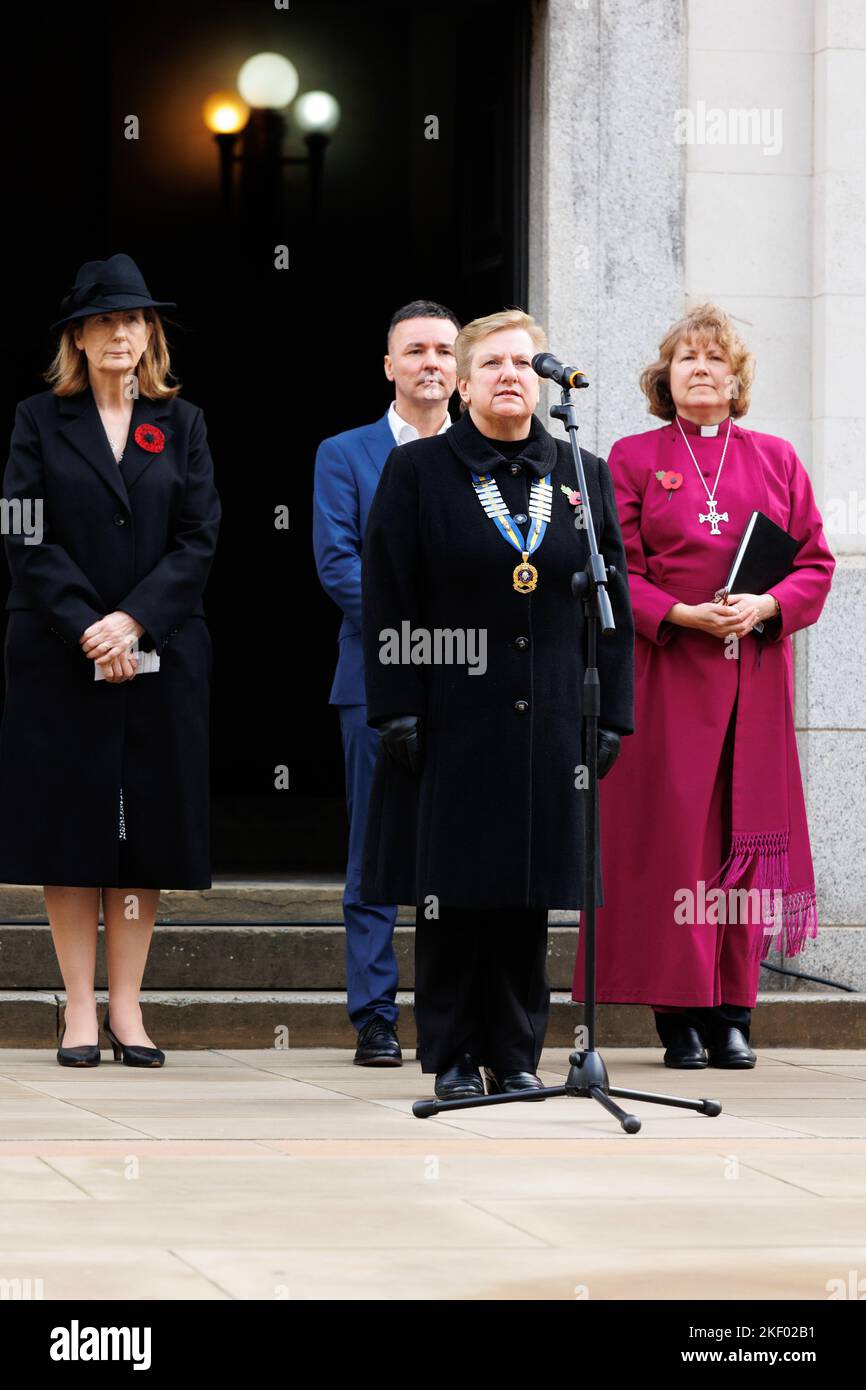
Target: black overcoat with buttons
{"points": [[495, 818], [138, 536]]}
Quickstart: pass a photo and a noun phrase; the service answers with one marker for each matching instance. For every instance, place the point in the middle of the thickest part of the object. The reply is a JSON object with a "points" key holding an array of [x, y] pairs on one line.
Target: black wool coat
{"points": [[138, 536], [494, 819]]}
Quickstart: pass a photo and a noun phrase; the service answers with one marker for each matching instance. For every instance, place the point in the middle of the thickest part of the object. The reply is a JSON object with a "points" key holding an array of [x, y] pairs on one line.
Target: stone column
{"points": [[607, 195], [831, 657]]}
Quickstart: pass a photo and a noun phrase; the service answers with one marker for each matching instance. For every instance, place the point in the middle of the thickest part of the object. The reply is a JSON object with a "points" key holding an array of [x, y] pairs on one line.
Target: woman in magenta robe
{"points": [[707, 793]]}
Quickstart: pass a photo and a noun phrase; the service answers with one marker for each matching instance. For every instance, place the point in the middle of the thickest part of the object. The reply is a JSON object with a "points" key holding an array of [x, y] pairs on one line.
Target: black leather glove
{"points": [[401, 741], [608, 751]]}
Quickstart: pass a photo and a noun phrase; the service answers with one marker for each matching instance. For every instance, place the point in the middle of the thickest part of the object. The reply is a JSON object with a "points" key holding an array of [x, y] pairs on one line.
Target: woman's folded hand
{"points": [[609, 745], [401, 740], [108, 643], [121, 668], [718, 619]]}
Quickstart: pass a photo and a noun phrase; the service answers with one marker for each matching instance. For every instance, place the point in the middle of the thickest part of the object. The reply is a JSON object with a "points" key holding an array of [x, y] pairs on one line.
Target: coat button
{"points": [[515, 469], [520, 518], [119, 520], [521, 643], [521, 706]]}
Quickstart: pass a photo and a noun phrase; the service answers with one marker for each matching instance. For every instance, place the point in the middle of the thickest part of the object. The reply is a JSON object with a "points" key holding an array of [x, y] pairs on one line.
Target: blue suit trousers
{"points": [[371, 966]]}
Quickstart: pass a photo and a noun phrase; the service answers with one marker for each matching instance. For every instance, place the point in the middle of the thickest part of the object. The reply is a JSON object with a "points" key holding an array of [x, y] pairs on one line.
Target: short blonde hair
{"points": [[709, 322], [469, 337], [67, 374]]}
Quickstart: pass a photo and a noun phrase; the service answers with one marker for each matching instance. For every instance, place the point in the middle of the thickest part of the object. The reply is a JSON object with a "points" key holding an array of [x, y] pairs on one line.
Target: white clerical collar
{"points": [[706, 431], [403, 432]]}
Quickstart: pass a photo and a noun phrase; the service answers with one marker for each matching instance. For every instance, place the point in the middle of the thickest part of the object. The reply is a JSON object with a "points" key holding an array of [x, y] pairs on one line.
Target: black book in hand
{"points": [[765, 556]]}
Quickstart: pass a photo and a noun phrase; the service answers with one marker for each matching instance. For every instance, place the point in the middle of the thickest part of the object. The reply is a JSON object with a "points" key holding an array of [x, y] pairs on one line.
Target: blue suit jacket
{"points": [[348, 467]]}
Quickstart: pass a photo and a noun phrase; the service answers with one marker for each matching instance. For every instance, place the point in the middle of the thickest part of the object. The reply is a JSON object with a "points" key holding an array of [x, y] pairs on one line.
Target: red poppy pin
{"points": [[150, 438], [670, 481], [572, 494]]}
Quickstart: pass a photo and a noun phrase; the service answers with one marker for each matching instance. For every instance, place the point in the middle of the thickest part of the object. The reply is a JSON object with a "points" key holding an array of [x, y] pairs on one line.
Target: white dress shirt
{"points": [[403, 432]]}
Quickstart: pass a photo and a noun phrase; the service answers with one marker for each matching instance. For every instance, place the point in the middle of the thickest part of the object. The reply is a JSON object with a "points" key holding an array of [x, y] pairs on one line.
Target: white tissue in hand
{"points": [[147, 662]]}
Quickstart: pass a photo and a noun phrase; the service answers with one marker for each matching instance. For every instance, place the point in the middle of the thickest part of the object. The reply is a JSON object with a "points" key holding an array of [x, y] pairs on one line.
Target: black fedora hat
{"points": [[103, 287]]}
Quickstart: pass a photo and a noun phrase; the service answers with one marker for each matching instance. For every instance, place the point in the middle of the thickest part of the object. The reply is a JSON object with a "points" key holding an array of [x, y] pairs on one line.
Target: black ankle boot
{"points": [[684, 1048], [730, 1049]]}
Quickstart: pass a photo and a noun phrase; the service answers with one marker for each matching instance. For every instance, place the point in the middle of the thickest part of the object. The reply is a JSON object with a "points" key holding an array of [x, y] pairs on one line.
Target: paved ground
{"points": [[270, 1175]]}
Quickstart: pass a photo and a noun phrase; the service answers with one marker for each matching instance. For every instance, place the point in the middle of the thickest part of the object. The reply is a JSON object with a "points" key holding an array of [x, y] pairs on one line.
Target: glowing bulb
{"points": [[224, 113], [316, 113], [268, 79]]}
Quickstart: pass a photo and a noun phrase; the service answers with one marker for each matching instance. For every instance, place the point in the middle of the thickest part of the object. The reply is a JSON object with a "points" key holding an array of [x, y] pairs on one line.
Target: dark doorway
{"points": [[278, 359]]}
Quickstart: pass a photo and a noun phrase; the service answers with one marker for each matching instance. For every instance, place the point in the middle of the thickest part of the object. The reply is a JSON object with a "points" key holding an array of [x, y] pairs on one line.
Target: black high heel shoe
{"points": [[85, 1056], [130, 1054]]}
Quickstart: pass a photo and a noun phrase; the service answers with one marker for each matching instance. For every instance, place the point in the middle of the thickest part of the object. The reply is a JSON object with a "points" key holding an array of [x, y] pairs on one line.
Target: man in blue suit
{"points": [[420, 362]]}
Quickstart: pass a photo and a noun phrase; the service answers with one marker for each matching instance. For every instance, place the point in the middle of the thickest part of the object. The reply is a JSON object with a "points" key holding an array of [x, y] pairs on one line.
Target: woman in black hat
{"points": [[473, 658], [104, 737]]}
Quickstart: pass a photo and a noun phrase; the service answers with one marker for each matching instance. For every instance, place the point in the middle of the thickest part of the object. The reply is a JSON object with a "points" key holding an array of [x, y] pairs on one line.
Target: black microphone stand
{"points": [[587, 1075]]}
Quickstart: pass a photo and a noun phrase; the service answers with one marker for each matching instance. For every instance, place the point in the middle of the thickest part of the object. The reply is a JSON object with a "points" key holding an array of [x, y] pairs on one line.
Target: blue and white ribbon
{"points": [[540, 505]]}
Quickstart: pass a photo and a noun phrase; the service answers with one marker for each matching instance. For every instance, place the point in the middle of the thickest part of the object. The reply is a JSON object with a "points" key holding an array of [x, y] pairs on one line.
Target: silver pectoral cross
{"points": [[713, 517]]}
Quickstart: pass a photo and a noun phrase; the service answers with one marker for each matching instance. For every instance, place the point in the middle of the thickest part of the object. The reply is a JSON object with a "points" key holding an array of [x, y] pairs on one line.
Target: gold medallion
{"points": [[525, 575]]}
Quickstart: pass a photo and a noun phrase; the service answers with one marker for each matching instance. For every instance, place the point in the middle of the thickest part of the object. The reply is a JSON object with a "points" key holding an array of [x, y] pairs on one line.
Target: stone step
{"points": [[311, 898], [317, 1018], [243, 957], [237, 957], [239, 901], [314, 898]]}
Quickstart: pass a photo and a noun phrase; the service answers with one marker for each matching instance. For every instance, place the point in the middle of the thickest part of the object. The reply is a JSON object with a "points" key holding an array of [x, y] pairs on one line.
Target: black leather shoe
{"points": [[86, 1056], [378, 1045], [730, 1049], [459, 1081], [686, 1052], [132, 1055], [513, 1081]]}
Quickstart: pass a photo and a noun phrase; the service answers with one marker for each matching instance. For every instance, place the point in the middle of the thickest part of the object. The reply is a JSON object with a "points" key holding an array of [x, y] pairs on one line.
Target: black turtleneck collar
{"points": [[479, 453]]}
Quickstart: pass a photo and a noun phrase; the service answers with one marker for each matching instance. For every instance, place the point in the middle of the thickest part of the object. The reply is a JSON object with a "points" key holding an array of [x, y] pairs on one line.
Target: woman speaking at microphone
{"points": [[477, 806]]}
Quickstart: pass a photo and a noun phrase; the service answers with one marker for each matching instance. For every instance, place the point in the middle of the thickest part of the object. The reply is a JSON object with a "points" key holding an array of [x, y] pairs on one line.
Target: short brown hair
{"points": [[67, 374], [473, 333], [706, 321]]}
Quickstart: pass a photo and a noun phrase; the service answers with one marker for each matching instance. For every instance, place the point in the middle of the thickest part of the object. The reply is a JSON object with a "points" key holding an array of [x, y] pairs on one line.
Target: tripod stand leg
{"points": [[704, 1107], [630, 1123]]}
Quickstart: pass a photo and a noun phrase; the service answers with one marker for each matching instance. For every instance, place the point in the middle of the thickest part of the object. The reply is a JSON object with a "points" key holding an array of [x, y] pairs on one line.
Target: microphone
{"points": [[546, 365]]}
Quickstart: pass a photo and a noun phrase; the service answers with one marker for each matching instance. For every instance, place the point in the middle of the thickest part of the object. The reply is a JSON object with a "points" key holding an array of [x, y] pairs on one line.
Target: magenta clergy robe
{"points": [[707, 792]]}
